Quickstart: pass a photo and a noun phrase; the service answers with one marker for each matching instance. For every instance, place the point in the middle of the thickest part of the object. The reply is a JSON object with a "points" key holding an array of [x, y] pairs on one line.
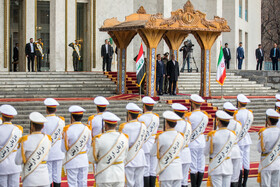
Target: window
{"points": [[246, 10], [240, 35], [240, 8]]}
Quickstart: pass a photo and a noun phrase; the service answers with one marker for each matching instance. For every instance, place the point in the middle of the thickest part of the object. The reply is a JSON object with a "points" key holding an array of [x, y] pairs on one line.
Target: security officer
{"points": [[33, 153], [269, 141], [167, 148], [151, 121], [95, 121], [9, 172], [109, 151], [54, 127], [277, 105], [76, 142], [218, 146], [76, 54], [199, 121], [245, 117], [39, 53], [184, 127], [235, 152], [135, 162]]}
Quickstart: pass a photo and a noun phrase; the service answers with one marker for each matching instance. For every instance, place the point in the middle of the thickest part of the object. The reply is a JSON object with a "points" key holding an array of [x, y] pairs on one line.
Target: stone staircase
{"points": [[189, 83], [55, 84]]}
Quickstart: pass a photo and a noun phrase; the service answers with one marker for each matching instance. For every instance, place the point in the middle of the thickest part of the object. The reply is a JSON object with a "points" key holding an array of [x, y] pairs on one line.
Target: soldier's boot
{"points": [[240, 179], [246, 174], [193, 180], [56, 184], [199, 179], [153, 181], [146, 181], [234, 184]]}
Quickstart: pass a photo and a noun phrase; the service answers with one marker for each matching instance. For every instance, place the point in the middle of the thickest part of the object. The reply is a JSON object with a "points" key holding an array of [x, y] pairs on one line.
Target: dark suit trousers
{"points": [[165, 84], [30, 58], [227, 63], [75, 62], [275, 64], [159, 84], [240, 63], [259, 64], [172, 84], [105, 62], [109, 64], [39, 63]]}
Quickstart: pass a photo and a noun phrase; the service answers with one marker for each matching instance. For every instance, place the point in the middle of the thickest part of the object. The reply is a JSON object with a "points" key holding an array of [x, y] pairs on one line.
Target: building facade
{"points": [[60, 22]]}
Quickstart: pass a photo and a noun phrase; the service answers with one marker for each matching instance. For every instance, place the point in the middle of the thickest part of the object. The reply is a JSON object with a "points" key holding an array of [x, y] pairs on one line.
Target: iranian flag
{"points": [[140, 66], [221, 68]]}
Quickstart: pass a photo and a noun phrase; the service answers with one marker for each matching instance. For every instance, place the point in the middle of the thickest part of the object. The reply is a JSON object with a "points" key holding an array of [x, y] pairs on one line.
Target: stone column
{"points": [[3, 35], [57, 35], [70, 31]]}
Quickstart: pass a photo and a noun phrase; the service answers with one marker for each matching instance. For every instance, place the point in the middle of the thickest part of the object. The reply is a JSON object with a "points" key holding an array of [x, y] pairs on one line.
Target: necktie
{"points": [[274, 52]]}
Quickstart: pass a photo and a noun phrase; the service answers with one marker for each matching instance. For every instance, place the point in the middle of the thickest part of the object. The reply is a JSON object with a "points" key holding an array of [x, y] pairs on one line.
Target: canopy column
{"points": [[174, 39], [206, 41], [151, 38], [122, 40]]}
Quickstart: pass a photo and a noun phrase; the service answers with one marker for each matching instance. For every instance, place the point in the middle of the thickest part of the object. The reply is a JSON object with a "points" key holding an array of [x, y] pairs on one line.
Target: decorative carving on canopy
{"points": [[187, 19]]}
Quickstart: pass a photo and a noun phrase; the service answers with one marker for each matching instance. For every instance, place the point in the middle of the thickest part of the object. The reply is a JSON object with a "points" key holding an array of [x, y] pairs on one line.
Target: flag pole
{"points": [[222, 91]]}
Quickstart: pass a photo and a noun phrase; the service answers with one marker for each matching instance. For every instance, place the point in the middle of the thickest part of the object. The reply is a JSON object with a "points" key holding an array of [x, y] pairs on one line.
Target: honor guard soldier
{"points": [[10, 135], [277, 106], [219, 144], [33, 153], [268, 146], [199, 122], [135, 162], [95, 121], [109, 151], [1, 121], [184, 127], [151, 121], [54, 127], [245, 117], [39, 53], [76, 54], [167, 149], [76, 142], [235, 152]]}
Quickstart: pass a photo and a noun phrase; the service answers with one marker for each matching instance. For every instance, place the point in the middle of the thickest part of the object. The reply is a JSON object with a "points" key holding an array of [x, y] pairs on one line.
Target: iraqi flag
{"points": [[221, 68], [140, 67]]}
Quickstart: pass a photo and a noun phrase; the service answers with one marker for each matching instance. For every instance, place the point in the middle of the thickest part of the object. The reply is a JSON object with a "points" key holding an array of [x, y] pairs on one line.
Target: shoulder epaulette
{"points": [[23, 139], [233, 132], [234, 114], [139, 116], [187, 115], [156, 114], [205, 113], [20, 128], [121, 126], [90, 117], [159, 133], [182, 134], [66, 128], [126, 135], [211, 133], [50, 138], [97, 136], [238, 122], [89, 127], [62, 118], [261, 130], [250, 111]]}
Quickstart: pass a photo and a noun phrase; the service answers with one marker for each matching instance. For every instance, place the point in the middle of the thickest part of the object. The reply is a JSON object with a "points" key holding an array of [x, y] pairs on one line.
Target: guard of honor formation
{"points": [[135, 154]]}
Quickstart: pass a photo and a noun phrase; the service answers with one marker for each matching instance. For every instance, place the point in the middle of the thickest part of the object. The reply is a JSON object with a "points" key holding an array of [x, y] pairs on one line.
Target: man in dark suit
{"points": [[160, 74], [227, 55], [173, 74], [106, 54], [240, 55], [165, 60], [274, 55], [15, 57], [259, 57], [30, 54]]}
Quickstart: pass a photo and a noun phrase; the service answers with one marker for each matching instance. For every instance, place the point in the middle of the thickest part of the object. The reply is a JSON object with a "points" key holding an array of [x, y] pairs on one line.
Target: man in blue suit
{"points": [[160, 74], [240, 55], [275, 55]]}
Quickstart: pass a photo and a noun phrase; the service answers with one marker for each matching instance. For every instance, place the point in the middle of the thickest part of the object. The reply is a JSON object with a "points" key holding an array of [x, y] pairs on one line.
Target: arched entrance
{"points": [[153, 27]]}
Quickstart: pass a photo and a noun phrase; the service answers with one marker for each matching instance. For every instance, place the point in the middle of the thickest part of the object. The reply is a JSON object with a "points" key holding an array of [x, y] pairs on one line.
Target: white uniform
{"points": [[198, 145], [56, 156], [1, 120], [95, 122], [235, 152], [244, 144], [172, 175], [150, 168], [221, 176], [40, 176], [77, 168], [185, 154], [270, 176], [9, 171], [278, 124], [113, 176], [134, 170]]}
